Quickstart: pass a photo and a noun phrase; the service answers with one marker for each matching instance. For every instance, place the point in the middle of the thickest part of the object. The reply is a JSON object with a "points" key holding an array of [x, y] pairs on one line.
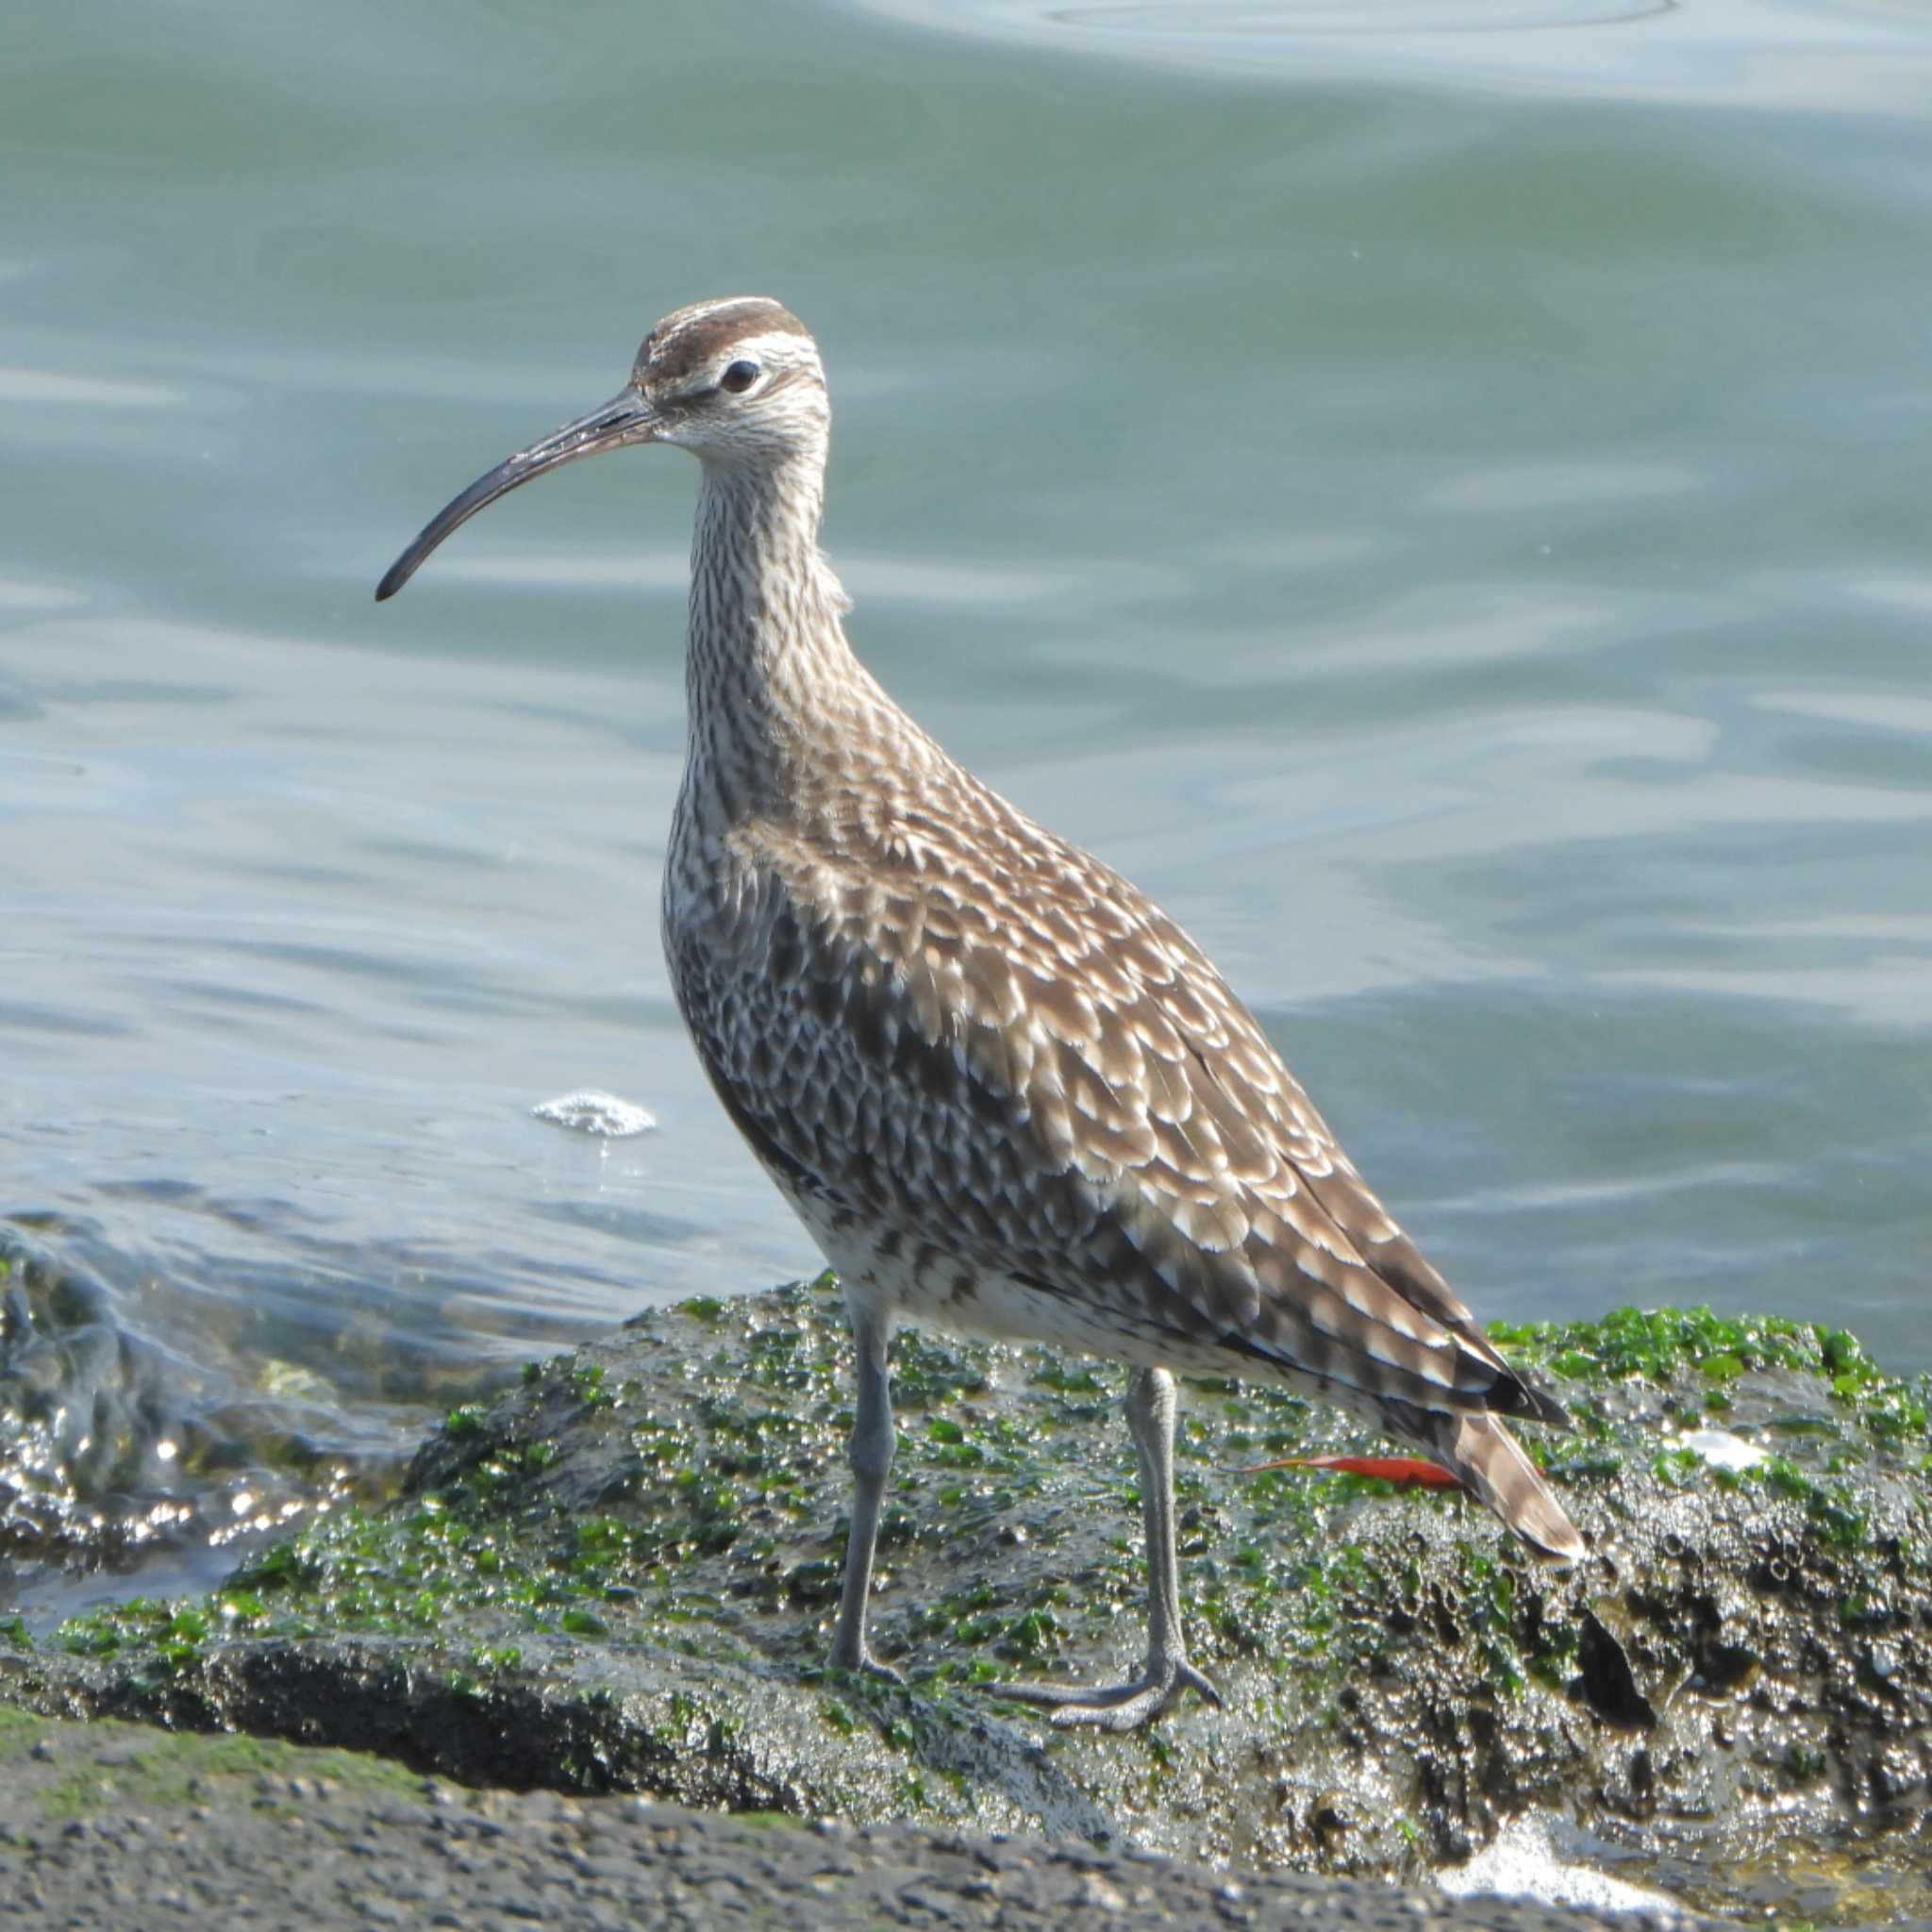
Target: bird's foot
{"points": [[1115, 1706], [867, 1665]]}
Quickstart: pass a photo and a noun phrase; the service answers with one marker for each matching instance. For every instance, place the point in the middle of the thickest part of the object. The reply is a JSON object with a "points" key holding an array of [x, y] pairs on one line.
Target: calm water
{"points": [[1435, 492]]}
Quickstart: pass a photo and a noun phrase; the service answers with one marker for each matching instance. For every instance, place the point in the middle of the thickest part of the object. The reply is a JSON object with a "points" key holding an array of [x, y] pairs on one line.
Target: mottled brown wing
{"points": [[1338, 1190], [998, 1050]]}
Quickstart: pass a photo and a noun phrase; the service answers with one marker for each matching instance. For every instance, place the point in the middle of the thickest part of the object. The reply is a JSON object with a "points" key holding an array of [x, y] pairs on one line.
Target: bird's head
{"points": [[737, 382]]}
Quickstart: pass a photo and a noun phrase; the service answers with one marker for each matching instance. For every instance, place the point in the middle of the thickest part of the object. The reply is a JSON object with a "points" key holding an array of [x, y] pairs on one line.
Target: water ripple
{"points": [[1295, 17], [1817, 58]]}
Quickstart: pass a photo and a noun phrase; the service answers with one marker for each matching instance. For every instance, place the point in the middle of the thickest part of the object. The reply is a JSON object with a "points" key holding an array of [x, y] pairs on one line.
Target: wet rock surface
{"points": [[619, 1577], [109, 1826]]}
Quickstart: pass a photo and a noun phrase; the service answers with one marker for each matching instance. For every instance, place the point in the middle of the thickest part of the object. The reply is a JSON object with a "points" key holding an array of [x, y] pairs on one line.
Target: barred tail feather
{"points": [[1488, 1462]]}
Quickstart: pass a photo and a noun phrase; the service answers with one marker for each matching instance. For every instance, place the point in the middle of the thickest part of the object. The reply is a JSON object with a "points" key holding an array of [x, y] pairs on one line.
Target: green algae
{"points": [[169, 1771], [481, 1542], [136, 1767], [1667, 1347], [636, 1554], [734, 1458], [723, 1533]]}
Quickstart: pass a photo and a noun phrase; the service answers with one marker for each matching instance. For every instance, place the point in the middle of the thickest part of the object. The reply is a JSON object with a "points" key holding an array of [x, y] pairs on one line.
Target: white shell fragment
{"points": [[1722, 1450]]}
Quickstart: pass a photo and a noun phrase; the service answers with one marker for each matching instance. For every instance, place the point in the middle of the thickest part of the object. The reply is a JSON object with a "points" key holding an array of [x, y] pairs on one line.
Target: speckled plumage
{"points": [[1004, 1091]]}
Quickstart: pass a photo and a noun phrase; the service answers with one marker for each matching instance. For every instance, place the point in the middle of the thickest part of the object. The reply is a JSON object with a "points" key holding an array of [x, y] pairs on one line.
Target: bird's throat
{"points": [[767, 673]]}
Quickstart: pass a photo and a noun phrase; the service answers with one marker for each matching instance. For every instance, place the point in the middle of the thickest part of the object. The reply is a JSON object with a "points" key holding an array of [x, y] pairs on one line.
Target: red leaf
{"points": [[1392, 1469]]}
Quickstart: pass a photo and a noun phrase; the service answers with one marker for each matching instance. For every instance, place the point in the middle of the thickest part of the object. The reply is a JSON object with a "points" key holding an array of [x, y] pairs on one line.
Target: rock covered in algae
{"points": [[622, 1575]]}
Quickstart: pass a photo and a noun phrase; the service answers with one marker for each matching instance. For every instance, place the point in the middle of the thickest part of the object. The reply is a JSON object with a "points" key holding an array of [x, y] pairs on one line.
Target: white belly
{"points": [[943, 1292]]}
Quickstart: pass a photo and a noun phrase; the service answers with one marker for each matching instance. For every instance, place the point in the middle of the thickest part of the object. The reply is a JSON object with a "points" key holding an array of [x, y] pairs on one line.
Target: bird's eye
{"points": [[740, 377]]}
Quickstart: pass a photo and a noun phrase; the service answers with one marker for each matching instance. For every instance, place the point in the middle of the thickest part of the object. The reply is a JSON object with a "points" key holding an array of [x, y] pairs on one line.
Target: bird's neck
{"points": [[770, 680]]}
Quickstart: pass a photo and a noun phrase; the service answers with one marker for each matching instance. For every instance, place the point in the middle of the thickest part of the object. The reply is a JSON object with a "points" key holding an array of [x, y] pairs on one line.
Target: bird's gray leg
{"points": [[1151, 1408], [871, 1453]]}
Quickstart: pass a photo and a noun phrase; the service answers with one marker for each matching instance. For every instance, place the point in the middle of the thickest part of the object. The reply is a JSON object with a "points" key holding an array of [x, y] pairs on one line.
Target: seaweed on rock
{"points": [[620, 1575]]}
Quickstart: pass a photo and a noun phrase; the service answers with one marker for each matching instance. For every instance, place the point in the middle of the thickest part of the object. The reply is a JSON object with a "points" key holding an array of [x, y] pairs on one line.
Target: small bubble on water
{"points": [[591, 1112]]}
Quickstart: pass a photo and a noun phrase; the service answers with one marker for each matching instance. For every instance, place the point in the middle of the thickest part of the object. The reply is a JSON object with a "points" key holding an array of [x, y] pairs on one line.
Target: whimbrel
{"points": [[1002, 1089]]}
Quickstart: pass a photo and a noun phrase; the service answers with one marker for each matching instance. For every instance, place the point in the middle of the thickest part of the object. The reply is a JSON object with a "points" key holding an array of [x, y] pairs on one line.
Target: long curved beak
{"points": [[625, 418]]}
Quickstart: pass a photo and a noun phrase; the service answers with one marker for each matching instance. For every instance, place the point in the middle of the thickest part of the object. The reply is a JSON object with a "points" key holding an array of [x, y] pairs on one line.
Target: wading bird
{"points": [[1002, 1089]]}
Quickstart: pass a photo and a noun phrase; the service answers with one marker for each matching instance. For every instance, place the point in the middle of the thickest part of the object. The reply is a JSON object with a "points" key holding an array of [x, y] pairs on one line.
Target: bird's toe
{"points": [[866, 1665], [1114, 1707]]}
